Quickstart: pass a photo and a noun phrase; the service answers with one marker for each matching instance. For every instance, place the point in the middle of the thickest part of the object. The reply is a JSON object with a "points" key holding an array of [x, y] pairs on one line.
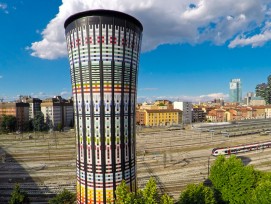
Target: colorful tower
{"points": [[103, 49]]}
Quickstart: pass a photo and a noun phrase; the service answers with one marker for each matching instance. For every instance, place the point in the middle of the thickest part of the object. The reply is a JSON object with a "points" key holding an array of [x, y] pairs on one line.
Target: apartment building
{"points": [[260, 111], [57, 111], [140, 117], [217, 115], [198, 114], [186, 108], [34, 105], [163, 117], [19, 110]]}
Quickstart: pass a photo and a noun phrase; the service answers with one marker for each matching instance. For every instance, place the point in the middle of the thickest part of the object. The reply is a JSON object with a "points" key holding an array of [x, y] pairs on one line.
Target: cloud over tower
{"points": [[234, 22]]}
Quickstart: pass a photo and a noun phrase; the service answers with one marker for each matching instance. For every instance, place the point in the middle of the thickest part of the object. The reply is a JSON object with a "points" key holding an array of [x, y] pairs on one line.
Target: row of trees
{"points": [[20, 197], [148, 195], [9, 124]]}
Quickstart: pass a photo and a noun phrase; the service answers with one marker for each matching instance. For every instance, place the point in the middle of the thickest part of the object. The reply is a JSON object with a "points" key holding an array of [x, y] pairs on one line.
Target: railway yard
{"points": [[44, 163]]}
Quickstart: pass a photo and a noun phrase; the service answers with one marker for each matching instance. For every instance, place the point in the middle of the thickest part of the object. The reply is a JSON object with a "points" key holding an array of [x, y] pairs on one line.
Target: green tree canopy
{"points": [[197, 194], [9, 123], [165, 199], [28, 125], [38, 122], [18, 196], [59, 127], [65, 197], [262, 193], [123, 196], [234, 180], [148, 195]]}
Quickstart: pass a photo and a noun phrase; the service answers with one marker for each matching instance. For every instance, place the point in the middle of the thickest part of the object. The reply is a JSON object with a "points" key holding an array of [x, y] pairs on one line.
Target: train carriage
{"points": [[240, 148]]}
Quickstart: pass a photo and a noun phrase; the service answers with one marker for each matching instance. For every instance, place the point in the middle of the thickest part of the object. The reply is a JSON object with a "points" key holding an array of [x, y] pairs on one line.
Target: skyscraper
{"points": [[235, 90], [103, 49]]}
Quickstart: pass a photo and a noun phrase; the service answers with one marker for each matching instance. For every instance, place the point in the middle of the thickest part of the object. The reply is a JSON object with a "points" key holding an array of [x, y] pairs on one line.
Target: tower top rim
{"points": [[102, 12]]}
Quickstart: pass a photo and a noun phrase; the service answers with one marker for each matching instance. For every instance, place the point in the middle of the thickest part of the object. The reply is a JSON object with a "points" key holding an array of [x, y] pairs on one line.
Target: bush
{"points": [[65, 197]]}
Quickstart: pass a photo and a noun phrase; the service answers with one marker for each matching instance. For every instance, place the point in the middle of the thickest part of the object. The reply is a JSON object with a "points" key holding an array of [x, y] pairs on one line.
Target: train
{"points": [[240, 148]]}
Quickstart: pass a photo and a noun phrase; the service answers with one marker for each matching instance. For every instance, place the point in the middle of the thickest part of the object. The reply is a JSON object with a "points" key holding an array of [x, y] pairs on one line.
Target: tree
{"points": [[123, 195], [234, 180], [28, 125], [165, 199], [65, 197], [38, 122], [59, 126], [9, 123], [148, 195], [197, 193], [18, 196], [262, 193]]}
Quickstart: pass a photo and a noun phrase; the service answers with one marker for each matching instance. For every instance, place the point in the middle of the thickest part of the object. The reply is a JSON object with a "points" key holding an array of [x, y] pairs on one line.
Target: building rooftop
{"points": [[162, 110]]}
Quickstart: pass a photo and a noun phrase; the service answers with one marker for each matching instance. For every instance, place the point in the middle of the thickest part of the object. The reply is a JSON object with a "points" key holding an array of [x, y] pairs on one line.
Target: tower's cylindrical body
{"points": [[103, 49]]}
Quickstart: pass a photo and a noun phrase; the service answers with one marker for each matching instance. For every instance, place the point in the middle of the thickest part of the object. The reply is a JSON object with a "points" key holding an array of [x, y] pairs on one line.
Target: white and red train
{"points": [[240, 148]]}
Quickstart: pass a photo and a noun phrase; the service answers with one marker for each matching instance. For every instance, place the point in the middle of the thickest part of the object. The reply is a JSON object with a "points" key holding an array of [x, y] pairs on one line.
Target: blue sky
{"points": [[190, 50]]}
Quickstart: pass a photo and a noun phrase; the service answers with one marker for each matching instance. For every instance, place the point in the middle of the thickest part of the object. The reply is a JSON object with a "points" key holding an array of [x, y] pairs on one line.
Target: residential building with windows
{"points": [[257, 101], [19, 110], [57, 111], [163, 117], [140, 117], [34, 105], [186, 108], [198, 115], [260, 111]]}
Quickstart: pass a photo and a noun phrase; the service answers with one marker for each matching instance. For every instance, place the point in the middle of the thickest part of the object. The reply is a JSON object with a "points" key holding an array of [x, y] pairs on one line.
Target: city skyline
{"points": [[188, 55]]}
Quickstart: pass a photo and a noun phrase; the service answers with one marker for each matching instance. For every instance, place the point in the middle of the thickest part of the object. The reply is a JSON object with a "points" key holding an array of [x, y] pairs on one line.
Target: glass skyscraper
{"points": [[103, 49], [235, 90]]}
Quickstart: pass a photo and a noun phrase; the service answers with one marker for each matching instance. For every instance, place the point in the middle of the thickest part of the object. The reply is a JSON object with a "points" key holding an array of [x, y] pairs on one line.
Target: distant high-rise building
{"points": [[103, 49], [235, 90]]}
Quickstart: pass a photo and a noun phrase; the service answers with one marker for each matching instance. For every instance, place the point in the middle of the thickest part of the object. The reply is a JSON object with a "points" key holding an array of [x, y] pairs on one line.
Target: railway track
{"points": [[173, 158]]}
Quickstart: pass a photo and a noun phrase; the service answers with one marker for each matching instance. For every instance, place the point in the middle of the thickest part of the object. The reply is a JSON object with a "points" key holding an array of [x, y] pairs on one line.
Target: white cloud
{"points": [[194, 99], [255, 40], [4, 6], [65, 94], [1, 77], [176, 21], [41, 95]]}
